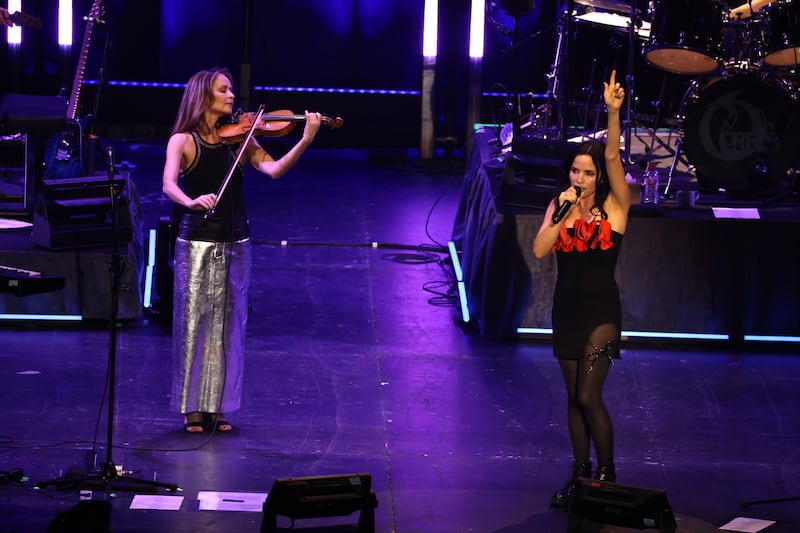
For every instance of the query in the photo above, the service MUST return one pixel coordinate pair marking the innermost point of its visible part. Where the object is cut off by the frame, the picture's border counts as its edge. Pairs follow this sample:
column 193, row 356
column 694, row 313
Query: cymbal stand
column 676, row 154
column 630, row 123
column 514, row 48
column 589, row 92
column 630, row 88
column 555, row 94
column 561, row 79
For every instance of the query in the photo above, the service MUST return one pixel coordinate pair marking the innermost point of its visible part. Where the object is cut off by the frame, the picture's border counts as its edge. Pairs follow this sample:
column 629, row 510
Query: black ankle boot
column 561, row 498
column 606, row 473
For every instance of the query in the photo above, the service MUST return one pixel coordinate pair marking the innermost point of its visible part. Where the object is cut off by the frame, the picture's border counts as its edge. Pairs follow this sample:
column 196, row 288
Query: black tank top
column 205, row 175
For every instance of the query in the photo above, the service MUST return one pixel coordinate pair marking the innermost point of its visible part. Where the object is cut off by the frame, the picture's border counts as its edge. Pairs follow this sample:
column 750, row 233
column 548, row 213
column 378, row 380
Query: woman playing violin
column 212, row 249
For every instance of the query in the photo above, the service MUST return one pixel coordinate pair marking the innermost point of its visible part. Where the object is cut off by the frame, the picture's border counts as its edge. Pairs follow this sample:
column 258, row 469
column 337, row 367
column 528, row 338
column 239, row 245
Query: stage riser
column 690, row 276
column 87, row 291
column 679, row 270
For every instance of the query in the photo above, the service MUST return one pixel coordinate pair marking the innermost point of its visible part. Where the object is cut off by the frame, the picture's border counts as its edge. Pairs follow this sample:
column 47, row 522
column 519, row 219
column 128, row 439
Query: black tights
column 587, row 416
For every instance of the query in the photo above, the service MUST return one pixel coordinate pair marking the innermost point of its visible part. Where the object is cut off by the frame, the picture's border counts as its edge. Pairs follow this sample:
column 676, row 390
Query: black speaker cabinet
column 321, row 496
column 164, row 274
column 76, row 213
column 619, row 505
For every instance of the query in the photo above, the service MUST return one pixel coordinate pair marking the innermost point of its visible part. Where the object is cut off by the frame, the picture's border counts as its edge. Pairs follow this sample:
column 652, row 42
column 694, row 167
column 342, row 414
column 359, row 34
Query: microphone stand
column 108, row 472
column 108, row 478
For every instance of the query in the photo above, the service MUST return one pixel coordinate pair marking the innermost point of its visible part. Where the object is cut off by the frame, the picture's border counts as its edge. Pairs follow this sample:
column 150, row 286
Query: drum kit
column 739, row 118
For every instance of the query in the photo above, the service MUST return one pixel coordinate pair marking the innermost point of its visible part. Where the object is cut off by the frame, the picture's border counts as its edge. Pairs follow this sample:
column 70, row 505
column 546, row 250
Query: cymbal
column 608, row 5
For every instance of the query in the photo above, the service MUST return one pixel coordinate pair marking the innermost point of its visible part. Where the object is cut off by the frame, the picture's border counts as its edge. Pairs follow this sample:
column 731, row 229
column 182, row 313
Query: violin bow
column 238, row 158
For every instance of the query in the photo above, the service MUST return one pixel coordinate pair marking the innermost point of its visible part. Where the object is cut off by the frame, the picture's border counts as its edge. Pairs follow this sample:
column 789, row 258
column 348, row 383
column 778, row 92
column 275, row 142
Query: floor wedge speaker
column 622, row 505
column 321, row 496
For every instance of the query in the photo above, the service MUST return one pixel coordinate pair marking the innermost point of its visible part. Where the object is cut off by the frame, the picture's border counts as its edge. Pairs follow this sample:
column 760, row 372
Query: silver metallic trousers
column 209, row 324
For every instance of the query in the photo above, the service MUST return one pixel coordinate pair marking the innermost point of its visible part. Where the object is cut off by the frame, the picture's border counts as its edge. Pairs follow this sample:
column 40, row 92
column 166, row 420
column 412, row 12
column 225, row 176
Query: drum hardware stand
column 630, row 123
column 678, row 147
column 516, row 107
column 517, row 113
column 557, row 77
column 694, row 86
column 555, row 93
column 589, row 92
column 630, row 92
column 630, row 88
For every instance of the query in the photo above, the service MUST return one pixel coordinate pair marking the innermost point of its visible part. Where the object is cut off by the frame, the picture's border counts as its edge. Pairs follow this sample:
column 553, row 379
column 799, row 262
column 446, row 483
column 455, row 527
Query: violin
column 273, row 124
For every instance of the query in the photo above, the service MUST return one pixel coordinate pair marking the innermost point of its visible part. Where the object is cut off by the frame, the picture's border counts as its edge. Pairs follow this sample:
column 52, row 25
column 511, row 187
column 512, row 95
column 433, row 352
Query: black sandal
column 189, row 424
column 220, row 424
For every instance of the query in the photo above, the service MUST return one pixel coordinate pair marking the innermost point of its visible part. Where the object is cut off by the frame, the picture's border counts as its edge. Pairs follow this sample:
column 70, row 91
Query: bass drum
column 735, row 131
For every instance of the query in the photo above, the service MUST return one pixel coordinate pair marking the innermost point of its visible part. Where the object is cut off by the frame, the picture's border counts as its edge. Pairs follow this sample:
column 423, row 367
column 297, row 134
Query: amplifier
column 76, row 213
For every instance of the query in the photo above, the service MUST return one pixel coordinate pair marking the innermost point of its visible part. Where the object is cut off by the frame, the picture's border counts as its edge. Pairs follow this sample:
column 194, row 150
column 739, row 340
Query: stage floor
column 357, row 363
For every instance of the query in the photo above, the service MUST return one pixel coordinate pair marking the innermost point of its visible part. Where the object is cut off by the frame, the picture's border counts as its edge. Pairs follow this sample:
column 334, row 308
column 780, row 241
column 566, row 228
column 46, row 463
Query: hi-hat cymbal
column 608, row 5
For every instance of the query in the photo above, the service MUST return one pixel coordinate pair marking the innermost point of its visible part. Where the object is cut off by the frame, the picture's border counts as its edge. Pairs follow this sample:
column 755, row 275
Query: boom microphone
column 564, row 207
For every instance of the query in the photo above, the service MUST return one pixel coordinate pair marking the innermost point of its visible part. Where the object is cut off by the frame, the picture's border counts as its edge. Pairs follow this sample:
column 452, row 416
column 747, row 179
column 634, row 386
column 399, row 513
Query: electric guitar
column 65, row 154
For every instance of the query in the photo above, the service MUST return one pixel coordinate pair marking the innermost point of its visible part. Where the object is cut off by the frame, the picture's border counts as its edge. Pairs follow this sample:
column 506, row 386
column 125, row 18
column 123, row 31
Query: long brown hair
column 197, row 99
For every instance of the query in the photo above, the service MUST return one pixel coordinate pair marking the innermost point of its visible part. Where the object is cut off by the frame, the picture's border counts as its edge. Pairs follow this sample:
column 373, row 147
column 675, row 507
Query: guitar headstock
column 23, row 19
column 97, row 14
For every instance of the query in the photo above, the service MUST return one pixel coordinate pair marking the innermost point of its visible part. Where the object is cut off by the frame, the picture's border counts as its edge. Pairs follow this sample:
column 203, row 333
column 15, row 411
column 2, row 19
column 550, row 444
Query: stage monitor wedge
column 321, row 496
column 617, row 504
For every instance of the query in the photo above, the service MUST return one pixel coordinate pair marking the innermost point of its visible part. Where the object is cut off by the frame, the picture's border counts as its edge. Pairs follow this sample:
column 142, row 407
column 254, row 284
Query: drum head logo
column 733, row 128
column 733, row 132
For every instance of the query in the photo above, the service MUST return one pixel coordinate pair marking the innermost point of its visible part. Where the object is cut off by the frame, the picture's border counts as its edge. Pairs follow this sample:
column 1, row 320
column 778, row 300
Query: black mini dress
column 586, row 293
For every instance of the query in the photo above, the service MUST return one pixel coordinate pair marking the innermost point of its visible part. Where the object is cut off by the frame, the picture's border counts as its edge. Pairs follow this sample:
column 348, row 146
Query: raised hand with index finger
column 613, row 93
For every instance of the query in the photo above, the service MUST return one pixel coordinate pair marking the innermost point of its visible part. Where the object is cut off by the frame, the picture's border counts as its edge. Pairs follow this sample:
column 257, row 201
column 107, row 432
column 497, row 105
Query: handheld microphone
column 564, row 207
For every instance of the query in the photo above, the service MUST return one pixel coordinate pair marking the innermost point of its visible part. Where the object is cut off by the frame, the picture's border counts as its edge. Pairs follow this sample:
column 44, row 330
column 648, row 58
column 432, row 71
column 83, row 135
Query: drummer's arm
column 744, row 9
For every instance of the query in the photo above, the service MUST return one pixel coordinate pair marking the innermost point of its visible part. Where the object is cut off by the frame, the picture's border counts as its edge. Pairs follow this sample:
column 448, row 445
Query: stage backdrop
column 339, row 44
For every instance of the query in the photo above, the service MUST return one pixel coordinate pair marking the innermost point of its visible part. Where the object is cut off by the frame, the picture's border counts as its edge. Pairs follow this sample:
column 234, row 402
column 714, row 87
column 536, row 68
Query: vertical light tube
column 14, row 33
column 430, row 27
column 151, row 264
column 476, row 36
column 65, row 22
column 476, row 32
column 462, row 287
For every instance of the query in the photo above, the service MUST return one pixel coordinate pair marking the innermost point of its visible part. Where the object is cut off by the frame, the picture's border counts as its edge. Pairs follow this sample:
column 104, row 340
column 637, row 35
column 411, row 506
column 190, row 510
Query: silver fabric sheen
column 209, row 324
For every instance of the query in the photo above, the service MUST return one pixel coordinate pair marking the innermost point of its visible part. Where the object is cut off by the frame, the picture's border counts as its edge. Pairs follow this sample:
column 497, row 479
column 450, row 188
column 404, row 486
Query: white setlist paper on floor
column 747, row 525
column 231, row 501
column 160, row 503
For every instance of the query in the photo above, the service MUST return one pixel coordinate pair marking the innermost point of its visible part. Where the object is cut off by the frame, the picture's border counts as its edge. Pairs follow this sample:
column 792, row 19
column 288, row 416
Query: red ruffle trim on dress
column 584, row 236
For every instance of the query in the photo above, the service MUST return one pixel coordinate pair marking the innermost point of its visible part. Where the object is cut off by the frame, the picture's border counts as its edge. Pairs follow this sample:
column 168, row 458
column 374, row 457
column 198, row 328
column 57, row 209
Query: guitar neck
column 74, row 98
